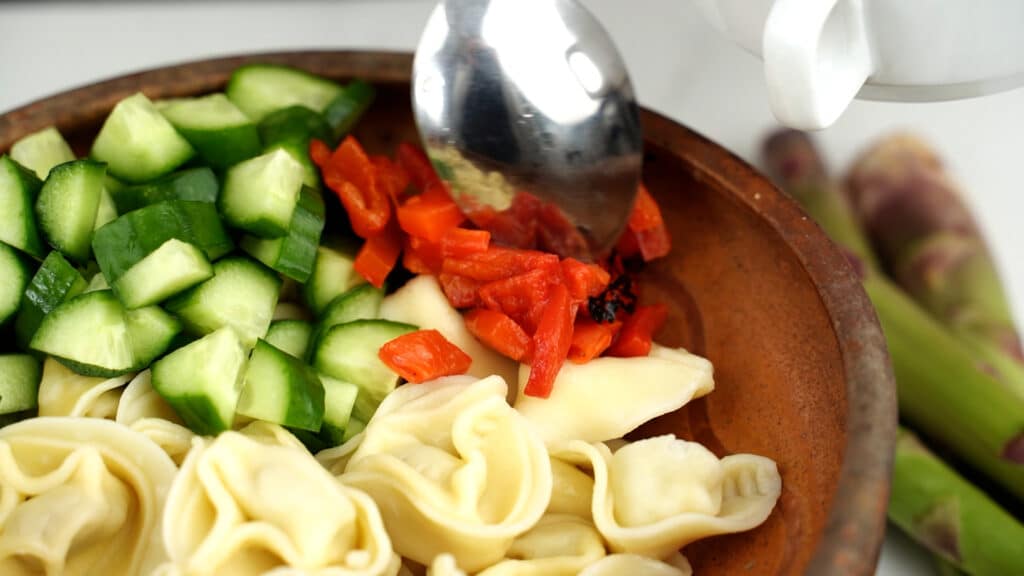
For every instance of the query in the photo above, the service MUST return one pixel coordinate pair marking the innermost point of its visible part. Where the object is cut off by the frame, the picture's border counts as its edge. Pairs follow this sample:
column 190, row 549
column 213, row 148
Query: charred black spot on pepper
column 619, row 295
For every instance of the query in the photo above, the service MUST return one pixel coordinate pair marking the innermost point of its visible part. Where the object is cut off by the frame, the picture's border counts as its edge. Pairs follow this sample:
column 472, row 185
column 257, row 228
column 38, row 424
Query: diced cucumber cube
column 67, row 206
column 55, row 282
column 138, row 143
column 259, row 89
column 279, row 388
column 242, row 294
column 221, row 133
column 40, row 151
column 260, row 194
column 19, row 382
column 202, row 380
column 172, row 268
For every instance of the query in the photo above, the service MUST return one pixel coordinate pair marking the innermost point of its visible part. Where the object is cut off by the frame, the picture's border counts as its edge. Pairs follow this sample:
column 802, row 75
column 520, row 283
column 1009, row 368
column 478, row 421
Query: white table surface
column 679, row 66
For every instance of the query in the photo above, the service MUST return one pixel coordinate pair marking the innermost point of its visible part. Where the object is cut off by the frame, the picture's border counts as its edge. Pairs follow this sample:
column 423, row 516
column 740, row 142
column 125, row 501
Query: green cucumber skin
column 301, row 389
column 19, row 188
column 225, row 147
column 78, row 347
column 192, row 184
column 55, row 282
column 294, row 254
column 344, row 111
column 19, row 383
column 202, row 380
column 67, row 205
column 339, row 399
column 294, row 124
column 220, row 133
column 130, row 238
column 361, row 302
column 348, row 352
column 292, row 129
column 16, row 275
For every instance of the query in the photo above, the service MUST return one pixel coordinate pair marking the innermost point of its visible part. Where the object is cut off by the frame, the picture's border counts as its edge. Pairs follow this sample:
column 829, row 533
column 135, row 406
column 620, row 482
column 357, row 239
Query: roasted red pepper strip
column 650, row 237
column 499, row 262
column 367, row 221
column 461, row 292
column 416, row 164
column 424, row 355
column 557, row 234
column 638, row 331
column 421, row 256
column 515, row 226
column 584, row 280
column 499, row 332
column 459, row 242
column 551, row 342
column 590, row 339
column 391, row 177
column 430, row 215
column 378, row 256
column 627, row 246
column 319, row 153
column 351, row 175
column 646, row 214
column 654, row 243
column 523, row 296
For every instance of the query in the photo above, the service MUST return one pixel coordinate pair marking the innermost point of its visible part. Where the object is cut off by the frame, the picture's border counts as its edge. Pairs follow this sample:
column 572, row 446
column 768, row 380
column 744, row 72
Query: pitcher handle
column 816, row 58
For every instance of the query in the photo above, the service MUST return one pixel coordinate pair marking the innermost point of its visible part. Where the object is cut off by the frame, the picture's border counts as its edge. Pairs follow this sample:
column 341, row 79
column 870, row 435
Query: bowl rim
column 852, row 539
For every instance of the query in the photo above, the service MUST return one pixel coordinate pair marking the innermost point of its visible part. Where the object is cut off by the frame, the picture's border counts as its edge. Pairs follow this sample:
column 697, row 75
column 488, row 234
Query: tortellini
column 571, row 490
column 559, row 545
column 607, row 397
column 632, row 564
column 63, row 392
column 451, row 477
column 421, row 302
column 256, row 502
column 336, row 459
column 444, row 565
column 454, row 468
column 654, row 496
column 142, row 409
column 80, row 496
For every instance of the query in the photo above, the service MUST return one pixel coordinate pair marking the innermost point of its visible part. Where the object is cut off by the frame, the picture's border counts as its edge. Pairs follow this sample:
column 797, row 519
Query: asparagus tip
column 1014, row 449
column 791, row 157
column 860, row 268
column 939, row 529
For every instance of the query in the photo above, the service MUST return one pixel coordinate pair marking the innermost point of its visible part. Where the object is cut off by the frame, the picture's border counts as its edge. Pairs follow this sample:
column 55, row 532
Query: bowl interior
column 751, row 284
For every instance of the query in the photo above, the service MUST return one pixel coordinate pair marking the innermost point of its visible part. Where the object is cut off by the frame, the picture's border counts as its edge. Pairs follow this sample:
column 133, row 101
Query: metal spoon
column 527, row 105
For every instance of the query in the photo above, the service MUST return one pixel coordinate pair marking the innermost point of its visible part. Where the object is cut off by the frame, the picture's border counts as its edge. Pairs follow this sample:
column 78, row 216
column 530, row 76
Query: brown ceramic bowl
column 800, row 363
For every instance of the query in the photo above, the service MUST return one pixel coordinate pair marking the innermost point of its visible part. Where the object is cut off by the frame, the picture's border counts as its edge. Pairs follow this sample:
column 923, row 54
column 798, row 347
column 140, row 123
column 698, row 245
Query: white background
column 679, row 66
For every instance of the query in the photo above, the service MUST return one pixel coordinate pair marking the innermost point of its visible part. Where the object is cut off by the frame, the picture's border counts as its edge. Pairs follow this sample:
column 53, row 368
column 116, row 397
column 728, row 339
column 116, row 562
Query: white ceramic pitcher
column 819, row 54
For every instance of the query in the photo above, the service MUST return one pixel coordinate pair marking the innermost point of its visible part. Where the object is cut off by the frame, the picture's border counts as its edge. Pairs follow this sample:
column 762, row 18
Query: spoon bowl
column 519, row 101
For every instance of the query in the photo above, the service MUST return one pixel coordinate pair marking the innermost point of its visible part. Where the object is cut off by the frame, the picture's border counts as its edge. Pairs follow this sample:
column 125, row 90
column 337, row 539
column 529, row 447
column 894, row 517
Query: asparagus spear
column 951, row 517
column 943, row 394
column 794, row 163
column 929, row 240
column 941, row 388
